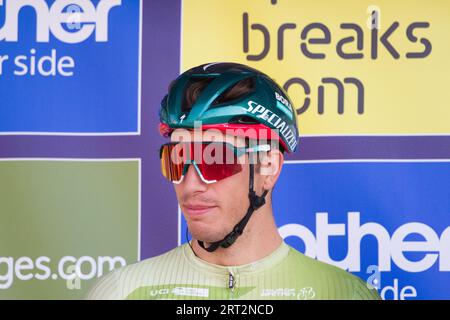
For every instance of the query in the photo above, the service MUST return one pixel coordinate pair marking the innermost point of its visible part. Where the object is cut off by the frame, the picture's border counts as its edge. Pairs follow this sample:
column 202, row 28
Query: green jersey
column 180, row 274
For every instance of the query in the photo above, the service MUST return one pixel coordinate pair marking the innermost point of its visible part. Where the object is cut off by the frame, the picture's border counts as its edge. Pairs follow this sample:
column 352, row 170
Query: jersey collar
column 261, row 265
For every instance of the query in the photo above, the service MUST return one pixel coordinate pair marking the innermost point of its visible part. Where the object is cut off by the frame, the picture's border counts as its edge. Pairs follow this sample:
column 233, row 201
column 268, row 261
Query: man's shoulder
column 310, row 264
column 119, row 283
column 337, row 283
column 157, row 262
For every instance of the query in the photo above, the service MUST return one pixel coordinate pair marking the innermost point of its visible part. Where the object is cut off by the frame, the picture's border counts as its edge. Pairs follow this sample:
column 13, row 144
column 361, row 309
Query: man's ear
column 270, row 168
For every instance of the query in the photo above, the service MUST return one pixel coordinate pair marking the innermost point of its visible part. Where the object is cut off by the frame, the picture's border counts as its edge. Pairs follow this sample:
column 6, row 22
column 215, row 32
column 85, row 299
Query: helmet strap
column 255, row 203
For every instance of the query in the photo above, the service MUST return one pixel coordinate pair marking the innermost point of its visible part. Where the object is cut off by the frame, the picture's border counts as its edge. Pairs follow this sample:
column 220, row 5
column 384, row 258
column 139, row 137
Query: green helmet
column 264, row 107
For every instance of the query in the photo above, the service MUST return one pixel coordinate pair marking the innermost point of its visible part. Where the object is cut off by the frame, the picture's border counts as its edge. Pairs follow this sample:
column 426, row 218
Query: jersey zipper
column 231, row 284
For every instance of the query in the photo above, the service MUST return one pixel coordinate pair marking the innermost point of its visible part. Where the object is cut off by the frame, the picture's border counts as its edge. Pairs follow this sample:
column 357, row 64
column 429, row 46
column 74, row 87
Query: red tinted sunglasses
column 213, row 161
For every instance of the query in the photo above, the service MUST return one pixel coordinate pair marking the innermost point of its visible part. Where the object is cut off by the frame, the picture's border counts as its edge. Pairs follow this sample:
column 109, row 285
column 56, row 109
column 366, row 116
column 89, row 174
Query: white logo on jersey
column 300, row 294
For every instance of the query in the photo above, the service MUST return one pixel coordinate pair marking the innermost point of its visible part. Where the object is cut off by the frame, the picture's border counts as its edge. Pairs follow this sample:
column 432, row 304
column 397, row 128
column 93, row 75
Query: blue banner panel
column 69, row 67
column 385, row 221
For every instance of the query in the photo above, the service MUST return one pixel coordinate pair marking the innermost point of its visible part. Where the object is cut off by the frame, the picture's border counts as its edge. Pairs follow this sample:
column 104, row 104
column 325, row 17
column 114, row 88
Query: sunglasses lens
column 217, row 172
column 218, row 162
column 215, row 161
column 172, row 161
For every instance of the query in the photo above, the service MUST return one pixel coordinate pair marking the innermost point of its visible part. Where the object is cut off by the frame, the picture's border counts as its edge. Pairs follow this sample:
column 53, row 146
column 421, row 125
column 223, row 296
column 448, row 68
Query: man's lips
column 196, row 209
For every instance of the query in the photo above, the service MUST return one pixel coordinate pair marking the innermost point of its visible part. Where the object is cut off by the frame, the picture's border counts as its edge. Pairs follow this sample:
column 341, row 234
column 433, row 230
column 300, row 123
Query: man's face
column 212, row 210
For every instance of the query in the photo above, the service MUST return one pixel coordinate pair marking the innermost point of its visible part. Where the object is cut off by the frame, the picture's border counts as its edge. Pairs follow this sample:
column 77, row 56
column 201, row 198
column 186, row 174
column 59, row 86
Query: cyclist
column 229, row 126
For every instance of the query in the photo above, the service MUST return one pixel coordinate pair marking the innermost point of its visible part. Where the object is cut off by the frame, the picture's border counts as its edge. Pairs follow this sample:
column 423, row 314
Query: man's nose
column 193, row 181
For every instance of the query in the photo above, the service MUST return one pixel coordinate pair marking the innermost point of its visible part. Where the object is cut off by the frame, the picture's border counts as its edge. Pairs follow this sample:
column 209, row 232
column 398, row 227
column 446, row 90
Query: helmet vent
column 236, row 92
column 194, row 88
column 243, row 120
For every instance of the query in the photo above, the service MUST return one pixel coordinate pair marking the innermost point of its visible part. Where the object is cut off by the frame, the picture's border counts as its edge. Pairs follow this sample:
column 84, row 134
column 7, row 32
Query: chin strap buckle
column 231, row 237
column 257, row 202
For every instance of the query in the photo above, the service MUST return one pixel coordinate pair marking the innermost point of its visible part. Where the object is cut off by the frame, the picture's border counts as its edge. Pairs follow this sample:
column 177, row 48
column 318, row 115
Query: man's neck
column 259, row 239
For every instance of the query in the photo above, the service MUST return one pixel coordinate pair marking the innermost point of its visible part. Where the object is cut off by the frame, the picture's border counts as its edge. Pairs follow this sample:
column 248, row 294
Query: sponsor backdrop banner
column 80, row 87
column 61, row 217
column 63, row 70
column 351, row 67
column 383, row 220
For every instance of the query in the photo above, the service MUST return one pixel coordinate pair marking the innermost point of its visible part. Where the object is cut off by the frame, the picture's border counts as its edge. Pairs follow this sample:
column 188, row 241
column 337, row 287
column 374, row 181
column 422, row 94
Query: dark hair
column 195, row 88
